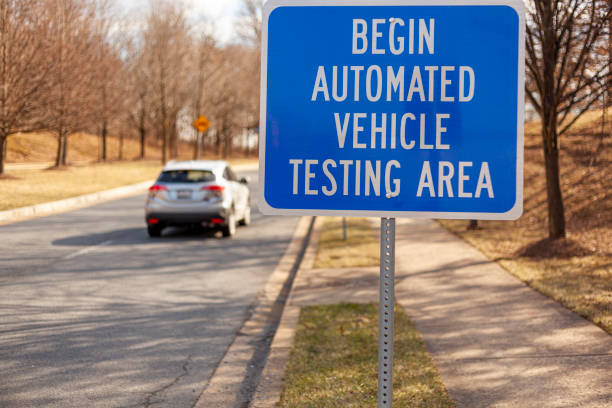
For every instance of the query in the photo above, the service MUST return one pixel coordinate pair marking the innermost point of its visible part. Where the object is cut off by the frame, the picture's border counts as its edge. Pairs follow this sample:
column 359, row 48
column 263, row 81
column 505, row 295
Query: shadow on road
column 131, row 236
column 134, row 236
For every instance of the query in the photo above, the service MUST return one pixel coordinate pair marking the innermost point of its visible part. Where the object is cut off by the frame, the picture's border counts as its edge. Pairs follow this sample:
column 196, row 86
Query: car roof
column 212, row 165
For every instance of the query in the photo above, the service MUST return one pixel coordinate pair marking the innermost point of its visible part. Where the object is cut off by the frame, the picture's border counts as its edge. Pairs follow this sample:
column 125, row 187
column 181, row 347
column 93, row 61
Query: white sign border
column 512, row 214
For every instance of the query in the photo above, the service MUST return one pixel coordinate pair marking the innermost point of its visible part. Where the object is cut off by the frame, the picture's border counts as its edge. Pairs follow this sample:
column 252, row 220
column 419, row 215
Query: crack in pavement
column 148, row 400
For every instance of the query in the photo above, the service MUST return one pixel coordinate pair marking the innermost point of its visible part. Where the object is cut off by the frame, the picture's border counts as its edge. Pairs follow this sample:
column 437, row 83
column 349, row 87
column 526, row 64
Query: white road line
column 86, row 250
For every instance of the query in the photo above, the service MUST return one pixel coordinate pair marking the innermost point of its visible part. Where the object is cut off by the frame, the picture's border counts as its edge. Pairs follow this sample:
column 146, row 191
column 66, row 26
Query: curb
column 54, row 207
column 73, row 203
column 225, row 388
column 270, row 387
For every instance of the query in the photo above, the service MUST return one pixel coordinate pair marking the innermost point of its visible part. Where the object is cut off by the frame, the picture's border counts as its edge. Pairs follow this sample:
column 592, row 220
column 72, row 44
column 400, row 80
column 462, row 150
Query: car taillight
column 213, row 192
column 155, row 189
column 213, row 188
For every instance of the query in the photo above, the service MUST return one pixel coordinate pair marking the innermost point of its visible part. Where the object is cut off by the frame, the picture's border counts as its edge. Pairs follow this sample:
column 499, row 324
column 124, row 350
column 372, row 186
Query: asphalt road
column 94, row 313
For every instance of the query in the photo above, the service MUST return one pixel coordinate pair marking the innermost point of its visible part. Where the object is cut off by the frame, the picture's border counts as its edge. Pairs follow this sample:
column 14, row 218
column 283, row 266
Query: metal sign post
column 386, row 312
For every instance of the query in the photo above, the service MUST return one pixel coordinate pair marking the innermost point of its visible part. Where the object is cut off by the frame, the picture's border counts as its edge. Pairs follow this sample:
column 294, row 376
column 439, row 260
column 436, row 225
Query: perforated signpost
column 392, row 108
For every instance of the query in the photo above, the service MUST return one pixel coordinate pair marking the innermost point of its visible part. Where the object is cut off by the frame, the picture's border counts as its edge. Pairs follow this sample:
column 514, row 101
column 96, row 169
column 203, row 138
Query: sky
column 222, row 12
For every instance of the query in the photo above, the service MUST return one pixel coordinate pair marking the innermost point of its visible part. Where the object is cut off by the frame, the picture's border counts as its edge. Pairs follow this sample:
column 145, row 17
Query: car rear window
column 186, row 176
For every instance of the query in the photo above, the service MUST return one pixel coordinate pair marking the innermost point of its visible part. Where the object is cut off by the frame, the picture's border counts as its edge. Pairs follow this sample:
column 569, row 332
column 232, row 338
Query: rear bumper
column 176, row 219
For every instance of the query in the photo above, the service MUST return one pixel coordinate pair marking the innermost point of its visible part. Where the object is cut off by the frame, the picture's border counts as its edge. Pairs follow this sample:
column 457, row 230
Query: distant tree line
column 71, row 66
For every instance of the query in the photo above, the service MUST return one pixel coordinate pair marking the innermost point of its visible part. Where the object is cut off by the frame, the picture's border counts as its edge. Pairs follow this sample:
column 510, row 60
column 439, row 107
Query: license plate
column 183, row 194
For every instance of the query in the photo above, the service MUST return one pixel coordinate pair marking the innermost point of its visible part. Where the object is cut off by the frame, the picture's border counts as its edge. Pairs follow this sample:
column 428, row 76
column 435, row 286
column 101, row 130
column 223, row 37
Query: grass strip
column 334, row 361
column 30, row 187
column 361, row 247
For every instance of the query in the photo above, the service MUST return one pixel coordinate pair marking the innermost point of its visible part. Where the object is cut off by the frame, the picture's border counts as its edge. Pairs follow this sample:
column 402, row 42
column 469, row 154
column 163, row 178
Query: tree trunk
column 99, row 139
column 164, row 141
column 143, row 134
column 121, row 146
column 173, row 133
column 104, row 140
column 2, row 152
column 556, row 213
column 550, row 138
column 65, row 149
column 58, row 156
column 218, row 143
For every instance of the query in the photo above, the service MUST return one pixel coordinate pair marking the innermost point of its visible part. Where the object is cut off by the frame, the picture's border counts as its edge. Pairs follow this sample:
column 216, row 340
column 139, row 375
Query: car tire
column 229, row 229
column 246, row 220
column 154, row 231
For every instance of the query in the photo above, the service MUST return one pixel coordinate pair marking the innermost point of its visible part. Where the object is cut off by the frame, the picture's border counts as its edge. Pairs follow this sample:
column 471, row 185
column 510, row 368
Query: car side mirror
column 244, row 180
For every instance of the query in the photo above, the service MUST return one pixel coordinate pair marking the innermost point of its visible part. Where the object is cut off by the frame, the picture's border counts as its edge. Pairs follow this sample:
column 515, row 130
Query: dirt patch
column 553, row 248
column 58, row 168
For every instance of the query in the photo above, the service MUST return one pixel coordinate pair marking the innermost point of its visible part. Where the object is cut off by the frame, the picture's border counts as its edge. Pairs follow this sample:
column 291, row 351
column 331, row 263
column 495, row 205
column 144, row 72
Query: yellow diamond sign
column 201, row 124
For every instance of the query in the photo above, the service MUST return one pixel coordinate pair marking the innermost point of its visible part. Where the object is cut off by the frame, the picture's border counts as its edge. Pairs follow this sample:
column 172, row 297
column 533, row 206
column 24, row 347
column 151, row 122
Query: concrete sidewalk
column 495, row 342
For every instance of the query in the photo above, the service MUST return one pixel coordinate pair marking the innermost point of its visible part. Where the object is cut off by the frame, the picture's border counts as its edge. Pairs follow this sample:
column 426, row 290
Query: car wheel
column 154, row 231
column 246, row 220
column 229, row 229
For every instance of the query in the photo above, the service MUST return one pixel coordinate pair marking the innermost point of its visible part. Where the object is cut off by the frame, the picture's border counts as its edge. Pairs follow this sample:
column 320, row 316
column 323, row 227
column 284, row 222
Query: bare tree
column 225, row 97
column 564, row 78
column 167, row 40
column 63, row 69
column 107, row 72
column 248, row 25
column 138, row 87
column 70, row 80
column 205, row 68
column 24, row 67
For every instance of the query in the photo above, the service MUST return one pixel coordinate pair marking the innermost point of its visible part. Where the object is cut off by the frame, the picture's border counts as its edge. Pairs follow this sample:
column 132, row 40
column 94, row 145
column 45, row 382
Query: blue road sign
column 394, row 108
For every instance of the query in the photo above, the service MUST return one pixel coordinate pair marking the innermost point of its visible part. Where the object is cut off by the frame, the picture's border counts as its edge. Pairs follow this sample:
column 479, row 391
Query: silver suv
column 205, row 193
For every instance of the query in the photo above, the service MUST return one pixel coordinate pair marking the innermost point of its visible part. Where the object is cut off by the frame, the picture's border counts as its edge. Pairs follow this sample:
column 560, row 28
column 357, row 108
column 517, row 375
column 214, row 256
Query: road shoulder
column 69, row 204
column 236, row 376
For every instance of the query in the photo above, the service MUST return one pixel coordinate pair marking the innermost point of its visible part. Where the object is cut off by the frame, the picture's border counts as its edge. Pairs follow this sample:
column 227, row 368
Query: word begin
column 364, row 40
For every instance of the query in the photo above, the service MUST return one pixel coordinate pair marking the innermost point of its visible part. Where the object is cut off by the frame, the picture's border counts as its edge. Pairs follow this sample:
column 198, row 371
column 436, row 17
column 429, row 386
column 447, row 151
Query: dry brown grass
column 360, row 249
column 29, row 187
column 576, row 271
column 20, row 186
column 84, row 148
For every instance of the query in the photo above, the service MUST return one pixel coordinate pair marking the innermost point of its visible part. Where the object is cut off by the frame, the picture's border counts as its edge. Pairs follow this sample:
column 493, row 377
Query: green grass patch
column 334, row 361
column 361, row 247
